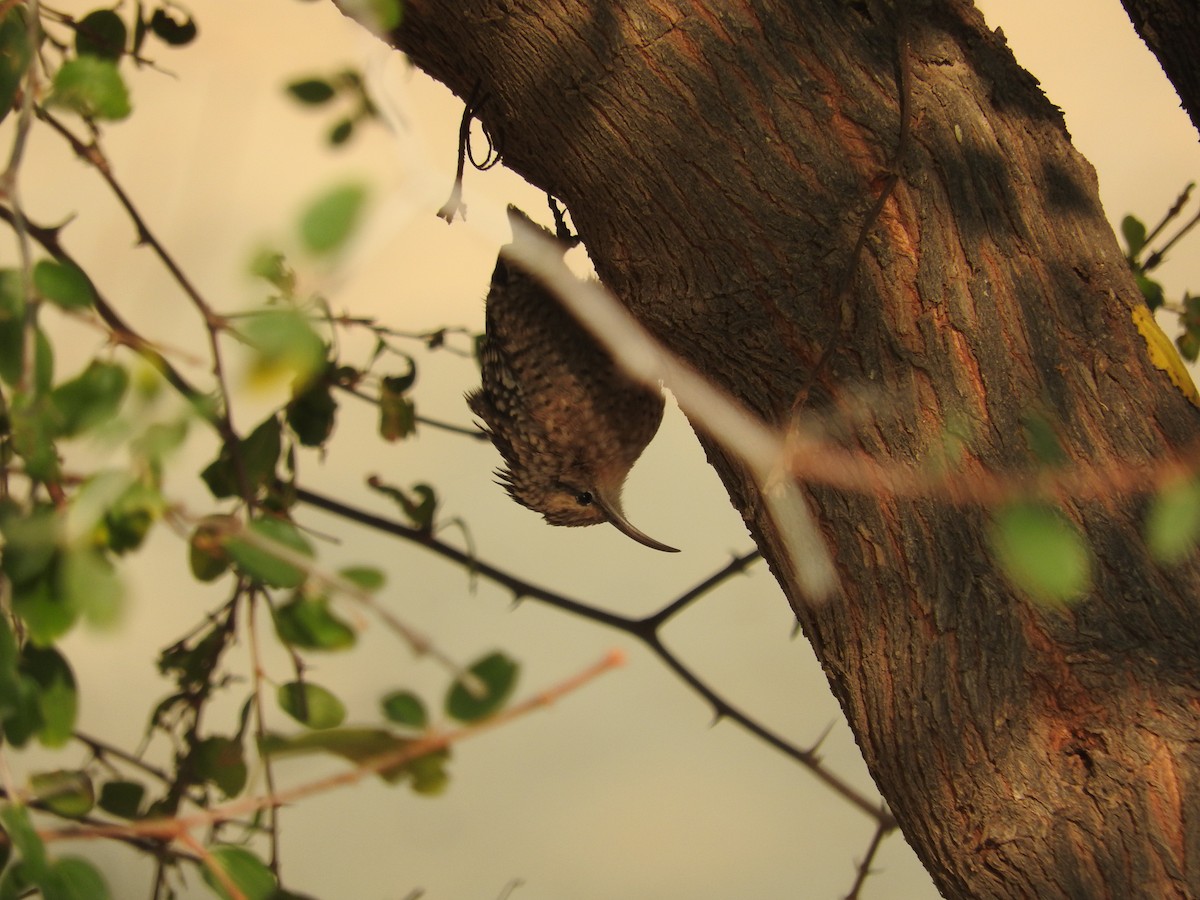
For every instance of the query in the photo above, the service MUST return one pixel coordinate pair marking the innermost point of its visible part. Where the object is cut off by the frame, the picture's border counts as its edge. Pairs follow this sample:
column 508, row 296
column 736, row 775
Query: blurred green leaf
column 310, row 704
column 9, row 675
column 72, row 878
column 285, row 346
column 101, row 33
column 311, row 414
column 128, row 520
column 23, row 719
column 368, row 579
column 1134, row 233
column 172, row 31
column 65, row 792
column 259, row 453
column 1152, row 291
column 45, row 613
column 91, row 87
column 122, row 798
column 378, row 16
column 30, row 542
column 206, row 552
column 25, row 840
column 58, row 698
column 63, row 285
column 88, row 584
column 341, row 132
column 247, row 872
column 90, row 398
column 428, row 773
column 1043, row 441
column 405, row 708
column 34, row 422
column 271, row 266
column 356, row 745
column 1173, row 522
column 420, row 511
column 1041, row 552
column 259, row 562
column 220, row 761
column 330, row 220
column 307, row 623
column 397, row 416
column 311, row 91
column 498, row 674
column 15, row 55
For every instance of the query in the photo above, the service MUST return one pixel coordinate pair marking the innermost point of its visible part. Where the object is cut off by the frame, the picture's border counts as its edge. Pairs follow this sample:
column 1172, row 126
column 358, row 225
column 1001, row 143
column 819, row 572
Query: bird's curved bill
column 612, row 509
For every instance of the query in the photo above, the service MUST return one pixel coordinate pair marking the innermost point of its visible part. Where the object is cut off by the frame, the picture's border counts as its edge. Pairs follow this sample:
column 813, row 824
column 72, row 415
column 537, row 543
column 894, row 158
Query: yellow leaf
column 1163, row 353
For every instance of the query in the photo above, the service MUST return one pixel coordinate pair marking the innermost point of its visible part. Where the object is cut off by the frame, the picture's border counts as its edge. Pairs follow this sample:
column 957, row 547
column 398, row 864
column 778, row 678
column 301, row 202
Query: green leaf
column 397, row 413
column 1173, row 522
column 14, row 56
column 259, row 456
column 91, row 87
column 128, row 520
column 285, row 346
column 9, row 677
column 310, row 704
column 308, row 624
column 23, row 718
column 1041, row 552
column 30, row 543
column 1043, row 441
column 272, row 267
column 378, row 16
column 498, row 674
column 330, row 220
column 341, row 132
column 65, row 792
column 220, row 761
column 58, row 699
column 45, row 614
column 206, row 552
column 172, row 31
column 25, row 840
column 262, row 564
column 122, row 798
column 72, row 878
column 101, row 33
column 428, row 773
column 405, row 708
column 311, row 414
column 63, row 285
column 1152, row 291
column 34, row 422
column 247, row 872
column 1134, row 233
column 312, row 91
column 91, row 398
column 88, row 584
column 420, row 511
column 364, row 577
column 356, row 745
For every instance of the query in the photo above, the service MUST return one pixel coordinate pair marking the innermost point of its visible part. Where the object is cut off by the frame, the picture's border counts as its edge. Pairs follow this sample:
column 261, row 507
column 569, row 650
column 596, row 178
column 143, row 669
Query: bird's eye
column 584, row 498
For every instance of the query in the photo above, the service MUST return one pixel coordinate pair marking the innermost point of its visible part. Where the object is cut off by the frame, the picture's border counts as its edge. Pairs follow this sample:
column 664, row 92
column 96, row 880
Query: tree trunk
column 723, row 163
column 1171, row 29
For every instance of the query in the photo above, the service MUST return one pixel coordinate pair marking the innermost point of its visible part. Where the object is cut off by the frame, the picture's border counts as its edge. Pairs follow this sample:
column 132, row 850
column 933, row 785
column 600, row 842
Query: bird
column 567, row 420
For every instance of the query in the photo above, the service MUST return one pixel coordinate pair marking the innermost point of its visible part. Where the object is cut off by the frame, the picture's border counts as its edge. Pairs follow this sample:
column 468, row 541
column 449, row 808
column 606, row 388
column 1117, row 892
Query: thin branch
column 882, row 830
column 645, row 630
column 177, row 827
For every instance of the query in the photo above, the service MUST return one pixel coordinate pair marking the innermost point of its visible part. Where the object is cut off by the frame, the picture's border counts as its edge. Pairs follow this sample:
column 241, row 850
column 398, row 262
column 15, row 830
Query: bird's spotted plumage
column 567, row 421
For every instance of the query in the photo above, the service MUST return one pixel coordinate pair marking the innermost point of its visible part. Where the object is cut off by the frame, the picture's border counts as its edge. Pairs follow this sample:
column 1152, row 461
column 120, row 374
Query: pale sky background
column 623, row 790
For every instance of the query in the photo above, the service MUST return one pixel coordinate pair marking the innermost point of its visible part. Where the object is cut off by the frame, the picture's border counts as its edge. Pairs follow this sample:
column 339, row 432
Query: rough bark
column 1171, row 29
column 720, row 162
